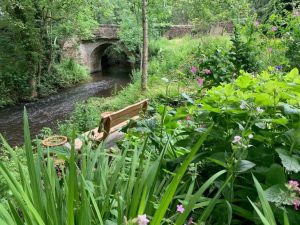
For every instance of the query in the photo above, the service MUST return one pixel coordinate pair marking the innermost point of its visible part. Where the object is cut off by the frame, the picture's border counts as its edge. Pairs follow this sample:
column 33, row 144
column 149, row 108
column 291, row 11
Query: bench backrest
column 112, row 119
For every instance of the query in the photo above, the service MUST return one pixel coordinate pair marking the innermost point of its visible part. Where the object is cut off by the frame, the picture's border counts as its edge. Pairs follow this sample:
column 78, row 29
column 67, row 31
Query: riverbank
column 47, row 111
column 65, row 74
column 170, row 59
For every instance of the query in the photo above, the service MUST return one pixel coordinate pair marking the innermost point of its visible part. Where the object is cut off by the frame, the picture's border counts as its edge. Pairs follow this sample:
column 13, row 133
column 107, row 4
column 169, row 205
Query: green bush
column 64, row 74
column 97, row 187
column 69, row 72
column 256, row 130
column 9, row 93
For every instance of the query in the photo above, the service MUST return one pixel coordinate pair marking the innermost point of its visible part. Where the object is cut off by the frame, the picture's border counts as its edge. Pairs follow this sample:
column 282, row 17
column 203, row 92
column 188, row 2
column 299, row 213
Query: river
column 48, row 111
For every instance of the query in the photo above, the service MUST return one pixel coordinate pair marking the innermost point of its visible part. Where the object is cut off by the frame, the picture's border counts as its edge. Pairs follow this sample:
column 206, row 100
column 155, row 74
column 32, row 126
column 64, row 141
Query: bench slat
column 137, row 105
column 113, row 121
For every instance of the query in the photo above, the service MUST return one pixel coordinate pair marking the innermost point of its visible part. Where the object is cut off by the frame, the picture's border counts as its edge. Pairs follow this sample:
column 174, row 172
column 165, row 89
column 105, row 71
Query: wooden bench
column 113, row 121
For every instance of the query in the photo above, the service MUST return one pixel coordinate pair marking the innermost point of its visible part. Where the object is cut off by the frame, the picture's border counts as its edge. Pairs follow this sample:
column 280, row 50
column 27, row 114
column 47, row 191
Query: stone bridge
column 90, row 52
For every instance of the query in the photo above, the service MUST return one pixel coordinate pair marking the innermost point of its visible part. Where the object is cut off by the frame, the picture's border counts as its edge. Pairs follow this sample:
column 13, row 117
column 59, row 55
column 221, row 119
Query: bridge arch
column 93, row 53
column 90, row 51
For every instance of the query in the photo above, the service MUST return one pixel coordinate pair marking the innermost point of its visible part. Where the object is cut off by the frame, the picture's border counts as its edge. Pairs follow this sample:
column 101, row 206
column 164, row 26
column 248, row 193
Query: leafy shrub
column 243, row 54
column 259, row 111
column 64, row 74
column 216, row 67
column 256, row 129
column 223, row 62
column 9, row 94
column 102, row 188
column 12, row 167
column 293, row 39
column 69, row 72
column 283, row 26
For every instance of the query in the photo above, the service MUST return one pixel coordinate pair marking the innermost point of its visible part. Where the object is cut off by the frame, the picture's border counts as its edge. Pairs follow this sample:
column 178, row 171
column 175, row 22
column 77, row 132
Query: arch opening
column 113, row 56
column 107, row 55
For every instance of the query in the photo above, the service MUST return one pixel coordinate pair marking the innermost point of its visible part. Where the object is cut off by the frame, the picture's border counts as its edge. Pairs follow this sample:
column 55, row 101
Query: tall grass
column 96, row 187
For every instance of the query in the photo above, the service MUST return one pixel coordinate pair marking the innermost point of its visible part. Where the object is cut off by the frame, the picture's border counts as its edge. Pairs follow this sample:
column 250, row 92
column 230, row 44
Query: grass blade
column 193, row 199
column 268, row 213
column 210, row 207
column 261, row 216
column 167, row 198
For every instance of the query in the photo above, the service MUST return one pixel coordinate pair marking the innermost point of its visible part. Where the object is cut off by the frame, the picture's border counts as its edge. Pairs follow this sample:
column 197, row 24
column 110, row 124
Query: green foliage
column 164, row 63
column 13, row 168
column 267, row 217
column 65, row 74
column 207, row 13
column 253, row 118
column 222, row 62
column 242, row 53
column 94, row 187
column 282, row 22
column 69, row 72
column 32, row 36
column 293, row 38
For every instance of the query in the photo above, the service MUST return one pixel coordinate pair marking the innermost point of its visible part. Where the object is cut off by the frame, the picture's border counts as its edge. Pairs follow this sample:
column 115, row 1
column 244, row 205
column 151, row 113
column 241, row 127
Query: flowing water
column 47, row 111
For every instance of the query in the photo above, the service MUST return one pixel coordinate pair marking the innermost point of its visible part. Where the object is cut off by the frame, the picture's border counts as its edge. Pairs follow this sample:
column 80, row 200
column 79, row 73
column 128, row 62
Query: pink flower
column 188, row 118
column 191, row 221
column 256, row 23
column 200, row 81
column 270, row 50
column 296, row 13
column 193, row 70
column 180, row 208
column 296, row 204
column 293, row 183
column 274, row 29
column 207, row 71
column 142, row 220
column 237, row 139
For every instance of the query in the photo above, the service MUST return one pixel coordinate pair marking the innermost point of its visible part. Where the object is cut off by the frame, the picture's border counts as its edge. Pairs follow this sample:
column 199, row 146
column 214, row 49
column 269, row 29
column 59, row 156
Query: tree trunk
column 145, row 46
column 34, row 93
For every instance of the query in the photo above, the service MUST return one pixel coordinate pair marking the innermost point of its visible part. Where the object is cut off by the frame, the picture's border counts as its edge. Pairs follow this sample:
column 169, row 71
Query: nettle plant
column 222, row 62
column 256, row 130
column 257, row 124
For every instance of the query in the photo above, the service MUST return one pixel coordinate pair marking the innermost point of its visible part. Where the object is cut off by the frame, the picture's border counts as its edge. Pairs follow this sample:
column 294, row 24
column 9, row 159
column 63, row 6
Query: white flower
column 243, row 105
column 142, row 220
column 259, row 110
column 250, row 136
column 237, row 139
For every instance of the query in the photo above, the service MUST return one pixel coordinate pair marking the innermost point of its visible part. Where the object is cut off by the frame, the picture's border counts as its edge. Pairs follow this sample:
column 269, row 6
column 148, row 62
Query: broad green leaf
column 243, row 166
column 243, row 81
column 188, row 98
column 263, row 99
column 275, row 175
column 290, row 162
column 278, row 194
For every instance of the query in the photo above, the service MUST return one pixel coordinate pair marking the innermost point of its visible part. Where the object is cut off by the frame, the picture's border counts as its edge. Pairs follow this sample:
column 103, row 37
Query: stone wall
column 107, row 31
column 177, row 31
column 90, row 52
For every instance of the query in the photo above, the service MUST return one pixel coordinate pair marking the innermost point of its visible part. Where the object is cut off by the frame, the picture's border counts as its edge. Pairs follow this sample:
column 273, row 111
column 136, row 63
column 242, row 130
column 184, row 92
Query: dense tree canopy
column 31, row 34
